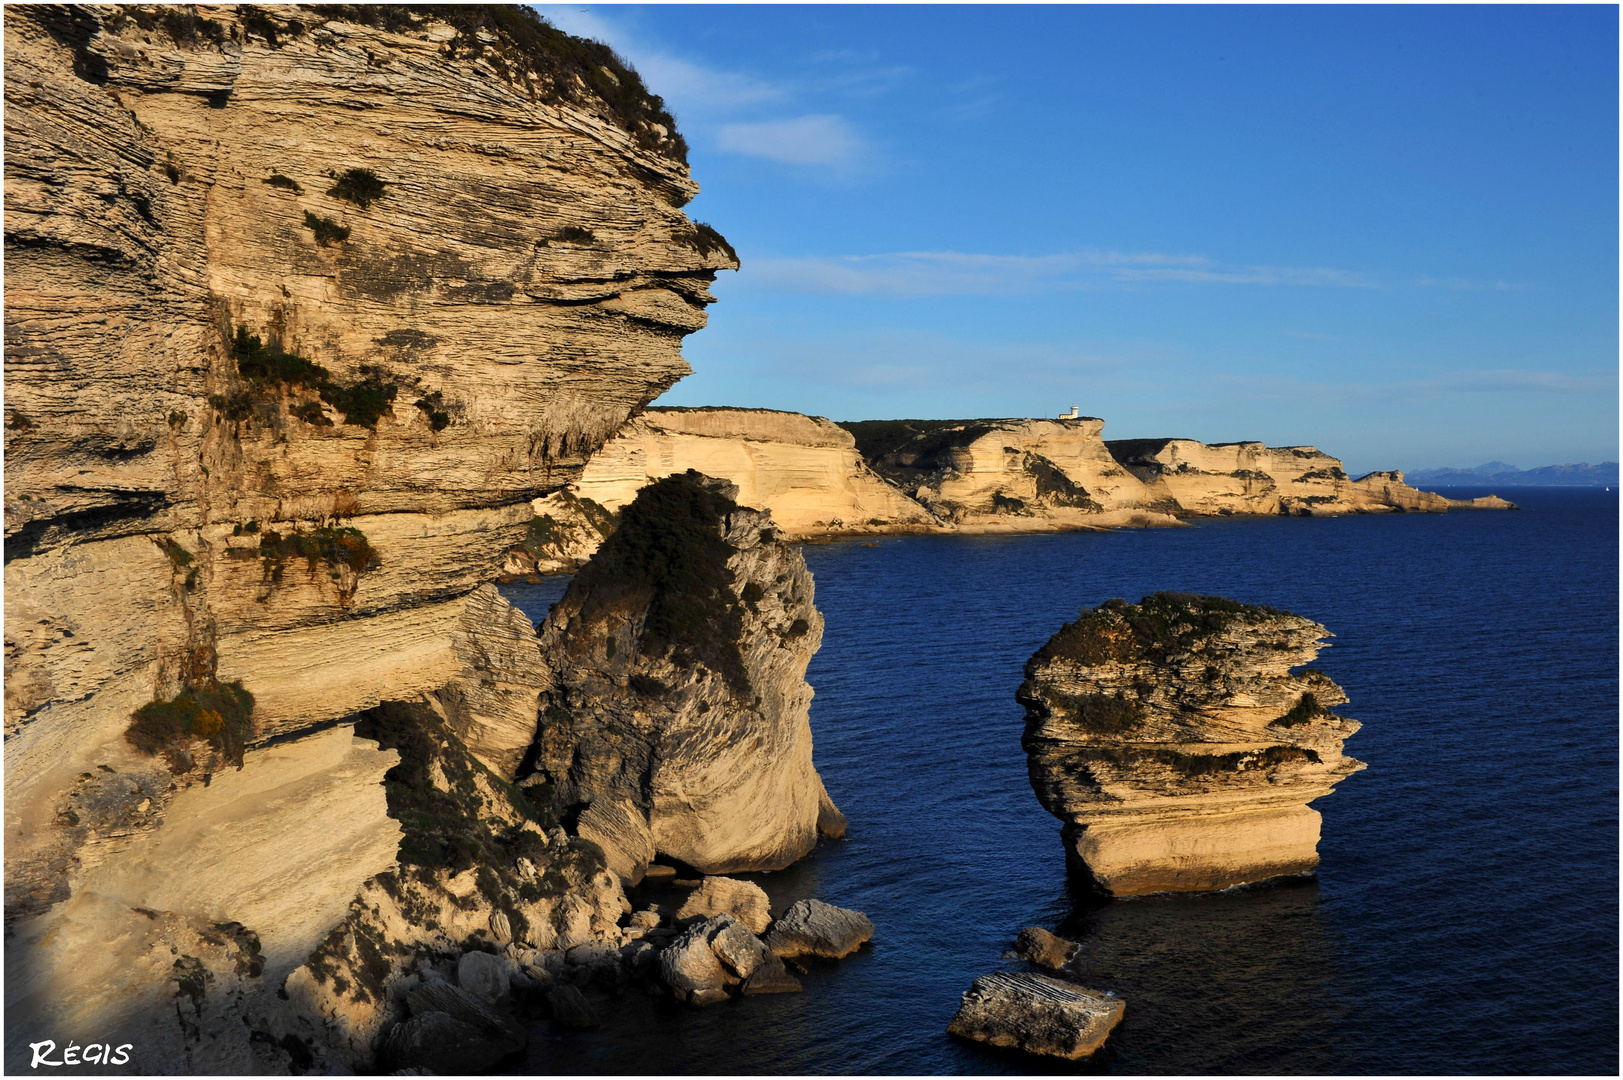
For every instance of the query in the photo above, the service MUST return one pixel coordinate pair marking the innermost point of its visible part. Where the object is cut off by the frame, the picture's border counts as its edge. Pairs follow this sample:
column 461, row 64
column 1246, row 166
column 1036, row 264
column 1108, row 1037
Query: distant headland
column 819, row 478
column 1499, row 474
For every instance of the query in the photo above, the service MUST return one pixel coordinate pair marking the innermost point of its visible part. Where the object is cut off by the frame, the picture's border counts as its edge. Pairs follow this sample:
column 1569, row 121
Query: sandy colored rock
column 1482, row 502
column 690, row 968
column 1179, row 747
column 141, row 192
column 678, row 684
column 813, row 928
column 500, row 1030
column 440, row 1044
column 803, row 470
column 1043, row 948
column 739, row 951
column 993, row 475
column 1036, row 1014
column 621, row 830
column 491, row 699
column 743, row 900
column 519, row 289
column 1250, row 478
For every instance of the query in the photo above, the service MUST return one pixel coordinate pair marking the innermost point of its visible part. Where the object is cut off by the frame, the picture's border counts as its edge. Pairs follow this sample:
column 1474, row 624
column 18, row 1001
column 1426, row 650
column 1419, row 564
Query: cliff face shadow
column 1240, row 981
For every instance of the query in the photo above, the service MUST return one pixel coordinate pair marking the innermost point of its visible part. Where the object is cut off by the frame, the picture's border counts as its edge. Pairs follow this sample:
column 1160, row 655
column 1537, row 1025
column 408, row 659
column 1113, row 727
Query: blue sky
column 1390, row 232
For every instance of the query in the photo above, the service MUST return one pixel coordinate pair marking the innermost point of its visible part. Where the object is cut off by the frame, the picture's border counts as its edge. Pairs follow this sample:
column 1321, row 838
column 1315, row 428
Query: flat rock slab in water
column 813, row 928
column 1036, row 1014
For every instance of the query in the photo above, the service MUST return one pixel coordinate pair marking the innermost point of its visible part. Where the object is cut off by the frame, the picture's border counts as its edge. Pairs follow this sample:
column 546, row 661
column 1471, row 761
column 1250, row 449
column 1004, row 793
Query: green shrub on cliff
column 326, row 229
column 1133, row 758
column 359, row 186
column 1304, row 711
column 1101, row 714
column 220, row 714
column 332, row 545
column 668, row 553
column 525, row 49
column 1155, row 627
column 266, row 368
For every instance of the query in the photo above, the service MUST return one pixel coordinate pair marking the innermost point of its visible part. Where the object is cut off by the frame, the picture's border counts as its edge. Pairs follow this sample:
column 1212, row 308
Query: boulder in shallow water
column 690, row 968
column 441, row 1044
column 1036, row 1014
column 740, row 951
column 1042, row 948
column 771, row 978
column 485, row 976
column 743, row 900
column 500, row 1031
column 813, row 928
column 569, row 1007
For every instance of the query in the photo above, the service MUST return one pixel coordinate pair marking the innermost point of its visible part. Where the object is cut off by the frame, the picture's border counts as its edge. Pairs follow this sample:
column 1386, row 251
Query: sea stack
column 1176, row 743
column 677, row 721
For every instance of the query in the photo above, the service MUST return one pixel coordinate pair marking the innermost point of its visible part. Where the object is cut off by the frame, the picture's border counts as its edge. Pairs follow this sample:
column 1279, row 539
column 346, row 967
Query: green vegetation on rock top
column 1155, row 627
column 668, row 552
column 220, row 714
column 918, row 441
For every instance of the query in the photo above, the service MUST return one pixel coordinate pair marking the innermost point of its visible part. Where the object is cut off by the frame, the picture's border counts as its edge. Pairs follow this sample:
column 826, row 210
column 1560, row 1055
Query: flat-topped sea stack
column 1176, row 743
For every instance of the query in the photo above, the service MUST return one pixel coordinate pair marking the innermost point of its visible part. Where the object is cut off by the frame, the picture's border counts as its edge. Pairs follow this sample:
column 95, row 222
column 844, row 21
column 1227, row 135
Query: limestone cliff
column 677, row 721
column 1176, row 743
column 1010, row 473
column 1250, row 478
column 805, row 468
column 906, row 476
column 304, row 307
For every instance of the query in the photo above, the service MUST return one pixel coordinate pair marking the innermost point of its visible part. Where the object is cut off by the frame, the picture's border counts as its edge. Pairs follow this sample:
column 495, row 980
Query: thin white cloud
column 1253, row 275
column 824, row 140
column 739, row 113
column 956, row 273
column 687, row 86
column 1462, row 381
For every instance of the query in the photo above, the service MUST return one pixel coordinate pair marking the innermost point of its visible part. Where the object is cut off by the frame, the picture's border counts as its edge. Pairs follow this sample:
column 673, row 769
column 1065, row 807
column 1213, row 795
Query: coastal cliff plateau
column 1176, row 743
column 1250, row 478
column 677, row 721
column 990, row 474
column 805, row 468
column 304, row 307
column 865, row 477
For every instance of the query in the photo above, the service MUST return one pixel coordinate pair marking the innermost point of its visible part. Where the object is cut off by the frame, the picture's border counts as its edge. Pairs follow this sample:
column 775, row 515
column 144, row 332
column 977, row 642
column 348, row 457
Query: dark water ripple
column 1464, row 918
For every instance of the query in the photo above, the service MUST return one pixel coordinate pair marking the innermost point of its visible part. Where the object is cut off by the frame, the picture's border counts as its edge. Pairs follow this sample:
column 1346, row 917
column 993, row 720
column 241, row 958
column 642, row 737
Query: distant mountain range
column 1498, row 474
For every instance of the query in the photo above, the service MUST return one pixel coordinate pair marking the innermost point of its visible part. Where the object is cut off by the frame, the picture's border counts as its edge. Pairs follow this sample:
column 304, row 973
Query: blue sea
column 1464, row 916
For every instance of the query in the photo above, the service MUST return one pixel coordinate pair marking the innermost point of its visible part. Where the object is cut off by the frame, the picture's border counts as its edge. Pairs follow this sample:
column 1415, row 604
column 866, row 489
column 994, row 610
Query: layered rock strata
column 889, row 476
column 1036, row 1014
column 986, row 473
column 1250, row 478
column 304, row 307
column 677, row 721
column 515, row 283
column 1178, row 745
column 805, row 470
